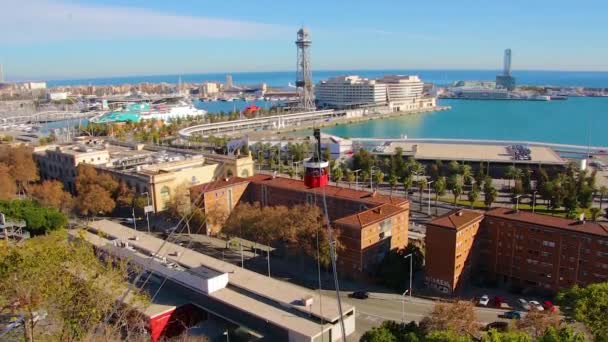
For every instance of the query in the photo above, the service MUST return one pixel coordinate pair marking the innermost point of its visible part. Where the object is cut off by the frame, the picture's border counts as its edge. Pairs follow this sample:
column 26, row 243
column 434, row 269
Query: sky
column 60, row 39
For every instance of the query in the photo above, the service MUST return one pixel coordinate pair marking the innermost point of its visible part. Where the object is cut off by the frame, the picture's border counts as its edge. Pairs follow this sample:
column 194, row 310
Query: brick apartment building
column 370, row 224
column 528, row 251
column 450, row 243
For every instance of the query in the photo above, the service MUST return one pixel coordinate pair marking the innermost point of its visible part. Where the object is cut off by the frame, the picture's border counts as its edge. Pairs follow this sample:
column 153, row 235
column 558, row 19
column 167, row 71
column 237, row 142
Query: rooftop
column 330, row 190
column 587, row 227
column 282, row 298
column 370, row 216
column 218, row 184
column 457, row 219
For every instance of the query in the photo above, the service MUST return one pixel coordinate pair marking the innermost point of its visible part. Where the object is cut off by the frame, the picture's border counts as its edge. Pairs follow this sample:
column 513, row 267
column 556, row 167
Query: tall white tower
column 506, row 69
column 304, row 72
column 1, row 74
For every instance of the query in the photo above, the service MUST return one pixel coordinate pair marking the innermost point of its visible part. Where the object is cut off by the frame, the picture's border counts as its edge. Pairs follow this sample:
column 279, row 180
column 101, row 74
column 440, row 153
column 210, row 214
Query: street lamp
column 517, row 202
column 428, row 185
column 534, row 200
column 147, row 209
column 356, row 172
column 227, row 336
column 371, row 177
column 409, row 291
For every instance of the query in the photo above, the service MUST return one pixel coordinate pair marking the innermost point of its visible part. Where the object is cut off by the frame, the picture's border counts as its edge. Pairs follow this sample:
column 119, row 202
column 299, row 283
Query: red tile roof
column 370, row 216
column 457, row 219
column 593, row 228
column 330, row 190
column 217, row 184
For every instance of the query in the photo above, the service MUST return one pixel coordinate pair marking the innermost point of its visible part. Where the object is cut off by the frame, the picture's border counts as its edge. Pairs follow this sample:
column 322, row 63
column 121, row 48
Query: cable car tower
column 316, row 170
column 304, row 72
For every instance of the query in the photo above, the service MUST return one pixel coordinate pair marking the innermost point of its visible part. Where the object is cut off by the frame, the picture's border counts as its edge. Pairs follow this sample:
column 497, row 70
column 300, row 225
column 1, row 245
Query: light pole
column 147, row 209
column 428, row 185
column 134, row 219
column 356, row 172
column 534, row 200
column 371, row 177
column 409, row 291
column 227, row 336
column 517, row 202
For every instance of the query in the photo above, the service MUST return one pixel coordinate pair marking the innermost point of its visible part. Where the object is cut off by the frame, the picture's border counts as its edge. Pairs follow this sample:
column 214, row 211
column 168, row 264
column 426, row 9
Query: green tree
column 490, row 195
column 453, row 168
column 563, row 334
column 467, row 174
column 337, row 174
column 378, row 334
column 378, row 178
column 509, row 336
column 350, row 177
column 446, row 336
column 38, row 220
column 392, row 181
column 422, row 185
column 588, row 305
column 603, row 193
column 408, row 182
column 456, row 192
column 595, row 213
column 394, row 269
column 473, row 195
column 439, row 187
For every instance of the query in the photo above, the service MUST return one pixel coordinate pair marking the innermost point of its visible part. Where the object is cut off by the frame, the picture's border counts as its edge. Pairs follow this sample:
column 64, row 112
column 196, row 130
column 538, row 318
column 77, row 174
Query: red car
column 497, row 301
column 547, row 305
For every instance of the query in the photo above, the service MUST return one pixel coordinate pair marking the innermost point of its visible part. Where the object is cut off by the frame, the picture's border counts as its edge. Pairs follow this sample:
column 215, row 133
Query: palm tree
column 350, row 177
column 338, row 174
column 467, row 173
column 422, row 185
column 378, row 178
column 439, row 187
column 595, row 212
column 456, row 191
column 603, row 192
column 510, row 174
column 490, row 194
column 473, row 195
column 392, row 181
column 407, row 184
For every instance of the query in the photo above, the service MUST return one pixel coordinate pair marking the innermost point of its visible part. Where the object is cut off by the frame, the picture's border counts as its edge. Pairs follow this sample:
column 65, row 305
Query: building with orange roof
column 519, row 249
column 369, row 224
column 450, row 254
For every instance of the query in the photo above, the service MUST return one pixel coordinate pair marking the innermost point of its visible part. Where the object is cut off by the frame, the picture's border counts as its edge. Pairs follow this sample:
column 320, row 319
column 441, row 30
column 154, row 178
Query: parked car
column 498, row 325
column 497, row 301
column 547, row 305
column 536, row 305
column 359, row 295
column 484, row 300
column 511, row 315
column 523, row 304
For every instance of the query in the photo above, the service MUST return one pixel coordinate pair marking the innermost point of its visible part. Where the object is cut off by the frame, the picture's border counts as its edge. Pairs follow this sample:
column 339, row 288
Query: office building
column 449, row 255
column 349, row 92
column 506, row 80
column 156, row 172
column 517, row 249
column 369, row 224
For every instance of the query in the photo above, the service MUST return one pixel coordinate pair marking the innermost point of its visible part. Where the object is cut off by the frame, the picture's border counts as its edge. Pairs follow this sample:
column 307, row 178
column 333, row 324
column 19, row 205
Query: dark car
column 512, row 315
column 497, row 301
column 359, row 295
column 499, row 326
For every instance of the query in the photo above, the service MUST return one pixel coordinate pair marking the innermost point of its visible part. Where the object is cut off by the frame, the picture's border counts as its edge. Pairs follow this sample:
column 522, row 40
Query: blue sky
column 48, row 39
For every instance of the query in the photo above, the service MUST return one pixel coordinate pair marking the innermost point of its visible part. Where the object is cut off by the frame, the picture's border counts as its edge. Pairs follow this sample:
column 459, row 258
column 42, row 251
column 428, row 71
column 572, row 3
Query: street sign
column 148, row 209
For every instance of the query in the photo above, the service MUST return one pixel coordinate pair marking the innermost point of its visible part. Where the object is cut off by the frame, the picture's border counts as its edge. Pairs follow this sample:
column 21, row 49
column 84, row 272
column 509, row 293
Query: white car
column 524, row 304
column 536, row 305
column 484, row 300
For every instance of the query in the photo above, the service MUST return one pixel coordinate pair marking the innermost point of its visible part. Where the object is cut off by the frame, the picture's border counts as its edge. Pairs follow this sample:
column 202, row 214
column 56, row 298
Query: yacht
column 163, row 110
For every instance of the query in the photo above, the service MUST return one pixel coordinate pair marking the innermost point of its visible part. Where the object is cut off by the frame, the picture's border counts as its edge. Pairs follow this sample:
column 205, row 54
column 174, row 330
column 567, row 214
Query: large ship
column 166, row 110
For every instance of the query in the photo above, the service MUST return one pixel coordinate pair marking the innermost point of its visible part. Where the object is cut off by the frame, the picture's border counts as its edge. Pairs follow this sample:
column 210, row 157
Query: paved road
column 380, row 307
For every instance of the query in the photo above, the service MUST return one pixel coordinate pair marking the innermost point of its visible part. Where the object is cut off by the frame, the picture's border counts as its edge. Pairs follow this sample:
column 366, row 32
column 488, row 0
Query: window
column 385, row 228
column 165, row 192
column 549, row 243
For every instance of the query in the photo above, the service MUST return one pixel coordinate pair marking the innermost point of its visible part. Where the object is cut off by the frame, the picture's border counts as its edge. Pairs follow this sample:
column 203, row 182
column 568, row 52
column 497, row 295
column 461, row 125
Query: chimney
column 459, row 213
column 274, row 174
column 581, row 218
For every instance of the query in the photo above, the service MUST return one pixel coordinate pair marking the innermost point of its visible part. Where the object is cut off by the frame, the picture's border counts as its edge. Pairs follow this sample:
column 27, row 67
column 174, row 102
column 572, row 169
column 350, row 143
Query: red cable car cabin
column 316, row 170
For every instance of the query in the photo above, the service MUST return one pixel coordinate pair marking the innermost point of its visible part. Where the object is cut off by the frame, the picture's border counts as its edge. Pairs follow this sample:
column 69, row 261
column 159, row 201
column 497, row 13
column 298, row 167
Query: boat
column 559, row 97
column 135, row 112
column 539, row 98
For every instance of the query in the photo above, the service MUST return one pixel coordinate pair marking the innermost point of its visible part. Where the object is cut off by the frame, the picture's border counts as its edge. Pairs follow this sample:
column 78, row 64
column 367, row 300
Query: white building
column 403, row 91
column 349, row 92
column 59, row 96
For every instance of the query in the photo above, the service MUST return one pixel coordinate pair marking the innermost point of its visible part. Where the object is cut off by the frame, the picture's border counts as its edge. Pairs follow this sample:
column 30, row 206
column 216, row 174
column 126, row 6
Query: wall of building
column 219, row 203
column 527, row 255
column 440, row 255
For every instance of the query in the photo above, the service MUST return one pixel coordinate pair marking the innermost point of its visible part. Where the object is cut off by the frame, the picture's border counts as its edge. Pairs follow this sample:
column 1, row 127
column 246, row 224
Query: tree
column 513, row 173
column 603, row 193
column 22, row 166
column 407, row 184
column 467, row 174
column 50, row 194
column 563, row 334
column 338, row 174
column 490, row 195
column 394, row 269
column 536, row 322
column 587, row 305
column 378, row 178
column 595, row 212
column 439, row 188
column 65, row 279
column 473, row 195
column 350, row 177
column 456, row 192
column 458, row 317
column 392, row 181
column 422, row 185
column 94, row 200
column 363, row 160
column 378, row 334
column 124, row 195
column 453, row 168
column 38, row 220
column 509, row 336
column 446, row 336
column 8, row 187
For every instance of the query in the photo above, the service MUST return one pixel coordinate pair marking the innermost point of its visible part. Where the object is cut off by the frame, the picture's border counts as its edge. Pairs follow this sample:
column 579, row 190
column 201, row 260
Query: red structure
column 250, row 110
column 316, row 170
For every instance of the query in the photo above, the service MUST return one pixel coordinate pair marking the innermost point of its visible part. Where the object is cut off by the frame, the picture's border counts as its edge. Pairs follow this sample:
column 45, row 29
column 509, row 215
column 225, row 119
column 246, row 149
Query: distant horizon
column 353, row 71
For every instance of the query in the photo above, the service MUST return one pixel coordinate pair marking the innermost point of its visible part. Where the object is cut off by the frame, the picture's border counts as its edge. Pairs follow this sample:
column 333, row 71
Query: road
column 380, row 307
